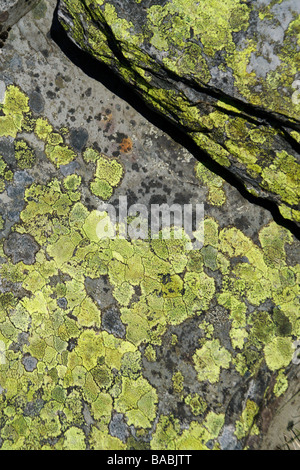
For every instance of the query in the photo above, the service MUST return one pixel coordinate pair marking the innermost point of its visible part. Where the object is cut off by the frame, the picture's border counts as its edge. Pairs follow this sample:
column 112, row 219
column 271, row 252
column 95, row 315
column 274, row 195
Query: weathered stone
column 225, row 72
column 11, row 11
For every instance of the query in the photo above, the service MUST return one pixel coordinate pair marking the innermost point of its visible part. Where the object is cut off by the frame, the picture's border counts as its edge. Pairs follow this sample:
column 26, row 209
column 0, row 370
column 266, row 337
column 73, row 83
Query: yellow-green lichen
column 138, row 400
column 5, row 174
column 216, row 194
column 197, row 405
column 108, row 175
column 59, row 154
column 278, row 353
column 25, row 156
column 283, row 177
column 69, row 359
column 281, row 384
column 102, row 189
column 246, row 424
column 43, row 129
column 210, row 359
column 14, row 108
column 178, row 381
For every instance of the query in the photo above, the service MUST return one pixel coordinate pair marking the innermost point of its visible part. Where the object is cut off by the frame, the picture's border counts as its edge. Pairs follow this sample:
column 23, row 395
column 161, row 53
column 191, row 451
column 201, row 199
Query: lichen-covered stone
column 225, row 72
column 117, row 343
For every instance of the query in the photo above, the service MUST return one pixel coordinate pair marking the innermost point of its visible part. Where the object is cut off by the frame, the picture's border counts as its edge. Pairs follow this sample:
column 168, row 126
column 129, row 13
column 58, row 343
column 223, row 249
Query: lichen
column 14, row 108
column 210, row 359
column 24, row 155
column 108, row 175
column 61, row 356
column 278, row 353
column 246, row 424
column 216, row 194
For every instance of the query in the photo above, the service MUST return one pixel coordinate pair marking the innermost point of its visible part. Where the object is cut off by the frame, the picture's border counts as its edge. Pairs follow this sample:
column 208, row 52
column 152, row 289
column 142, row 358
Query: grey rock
column 118, row 427
column 36, row 102
column 228, row 440
column 21, row 248
column 111, row 322
column 33, row 408
column 78, row 138
column 29, row 363
column 11, row 11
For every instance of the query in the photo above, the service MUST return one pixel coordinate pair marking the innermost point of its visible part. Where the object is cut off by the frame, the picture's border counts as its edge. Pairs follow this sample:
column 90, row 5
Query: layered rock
column 225, row 72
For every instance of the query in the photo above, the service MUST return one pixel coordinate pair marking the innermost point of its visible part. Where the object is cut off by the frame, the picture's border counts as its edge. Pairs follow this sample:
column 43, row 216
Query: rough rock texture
column 10, row 12
column 117, row 343
column 226, row 72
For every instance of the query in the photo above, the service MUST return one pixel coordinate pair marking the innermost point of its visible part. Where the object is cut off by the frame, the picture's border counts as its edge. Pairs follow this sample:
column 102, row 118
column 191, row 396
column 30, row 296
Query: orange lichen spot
column 126, row 145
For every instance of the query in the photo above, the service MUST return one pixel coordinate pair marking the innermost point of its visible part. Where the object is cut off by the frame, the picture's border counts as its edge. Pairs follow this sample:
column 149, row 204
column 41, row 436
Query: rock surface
column 10, row 13
column 225, row 72
column 124, row 344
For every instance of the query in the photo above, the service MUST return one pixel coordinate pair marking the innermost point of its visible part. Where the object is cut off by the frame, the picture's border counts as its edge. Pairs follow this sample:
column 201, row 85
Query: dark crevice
column 255, row 112
column 106, row 29
column 290, row 140
column 102, row 73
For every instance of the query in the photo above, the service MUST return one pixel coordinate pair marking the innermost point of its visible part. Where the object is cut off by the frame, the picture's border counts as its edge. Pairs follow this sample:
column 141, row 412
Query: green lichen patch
column 108, row 174
column 210, row 359
column 14, row 109
column 216, row 194
column 72, row 182
column 24, row 154
column 43, row 129
column 246, row 424
column 102, row 189
column 109, row 170
column 59, row 154
column 138, row 400
column 278, row 353
column 5, row 174
column 68, row 348
column 90, row 155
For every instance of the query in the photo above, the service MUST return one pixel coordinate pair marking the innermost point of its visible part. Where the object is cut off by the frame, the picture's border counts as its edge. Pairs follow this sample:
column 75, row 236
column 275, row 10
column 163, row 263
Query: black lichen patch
column 112, row 324
column 29, row 363
column 78, row 138
column 36, row 102
column 21, row 248
column 118, row 427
